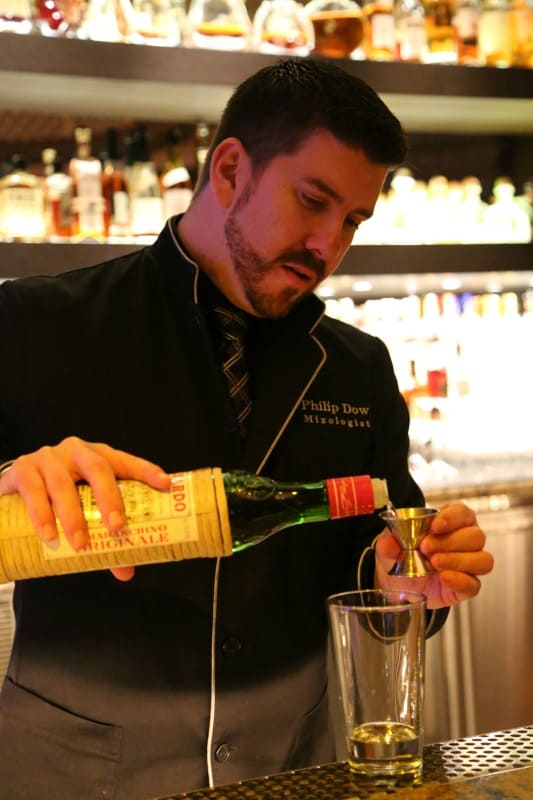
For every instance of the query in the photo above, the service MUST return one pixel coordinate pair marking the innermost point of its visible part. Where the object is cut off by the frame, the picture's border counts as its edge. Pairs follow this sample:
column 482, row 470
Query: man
column 208, row 671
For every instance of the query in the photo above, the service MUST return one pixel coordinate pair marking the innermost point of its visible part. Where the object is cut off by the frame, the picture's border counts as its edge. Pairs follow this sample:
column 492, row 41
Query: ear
column 230, row 168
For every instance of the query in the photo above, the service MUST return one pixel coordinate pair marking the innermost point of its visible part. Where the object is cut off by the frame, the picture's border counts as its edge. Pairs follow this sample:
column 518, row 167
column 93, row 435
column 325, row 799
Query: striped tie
column 233, row 327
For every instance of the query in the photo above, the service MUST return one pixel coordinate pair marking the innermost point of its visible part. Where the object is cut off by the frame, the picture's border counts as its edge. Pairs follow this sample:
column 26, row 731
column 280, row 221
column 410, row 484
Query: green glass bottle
column 205, row 514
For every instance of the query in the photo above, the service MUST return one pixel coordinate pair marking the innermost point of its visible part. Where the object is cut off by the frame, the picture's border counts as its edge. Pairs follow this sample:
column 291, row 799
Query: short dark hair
column 275, row 109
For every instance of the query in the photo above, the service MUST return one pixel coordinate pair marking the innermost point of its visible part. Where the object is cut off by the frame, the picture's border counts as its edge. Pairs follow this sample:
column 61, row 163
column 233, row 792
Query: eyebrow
column 326, row 188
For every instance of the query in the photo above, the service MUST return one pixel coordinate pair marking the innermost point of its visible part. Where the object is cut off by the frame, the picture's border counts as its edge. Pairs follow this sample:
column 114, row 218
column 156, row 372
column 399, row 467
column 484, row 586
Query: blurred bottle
column 337, row 25
column 281, row 26
column 73, row 13
column 441, row 32
column 505, row 220
column 57, row 197
column 410, row 30
column 466, row 21
column 114, row 188
column 521, row 23
column 107, row 21
column 494, row 34
column 21, row 203
column 175, row 181
column 202, row 141
column 146, row 205
column 49, row 19
column 88, row 202
column 379, row 33
column 16, row 16
column 220, row 24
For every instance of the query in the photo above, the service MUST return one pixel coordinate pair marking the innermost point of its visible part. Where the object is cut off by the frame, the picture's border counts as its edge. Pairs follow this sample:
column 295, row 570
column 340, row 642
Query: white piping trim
column 187, row 257
column 295, row 406
column 212, row 702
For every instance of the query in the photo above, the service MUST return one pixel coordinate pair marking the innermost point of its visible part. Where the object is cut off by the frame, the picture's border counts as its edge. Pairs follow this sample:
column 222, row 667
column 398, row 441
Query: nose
column 328, row 241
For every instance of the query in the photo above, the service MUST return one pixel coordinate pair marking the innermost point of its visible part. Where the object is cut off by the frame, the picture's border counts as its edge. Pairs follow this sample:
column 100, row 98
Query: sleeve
column 8, row 379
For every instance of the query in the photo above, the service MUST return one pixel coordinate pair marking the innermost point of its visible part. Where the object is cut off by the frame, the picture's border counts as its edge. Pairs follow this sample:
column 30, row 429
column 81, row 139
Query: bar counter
column 492, row 766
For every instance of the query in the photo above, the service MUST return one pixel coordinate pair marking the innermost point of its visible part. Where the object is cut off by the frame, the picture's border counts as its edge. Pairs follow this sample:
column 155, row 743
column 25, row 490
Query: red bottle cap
column 349, row 497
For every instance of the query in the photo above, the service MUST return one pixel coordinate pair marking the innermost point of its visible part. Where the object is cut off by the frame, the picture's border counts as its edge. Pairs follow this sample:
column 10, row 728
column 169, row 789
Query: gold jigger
column 409, row 526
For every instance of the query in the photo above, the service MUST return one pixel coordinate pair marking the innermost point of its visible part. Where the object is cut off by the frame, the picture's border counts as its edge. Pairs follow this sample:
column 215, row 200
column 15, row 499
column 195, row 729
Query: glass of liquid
column 378, row 655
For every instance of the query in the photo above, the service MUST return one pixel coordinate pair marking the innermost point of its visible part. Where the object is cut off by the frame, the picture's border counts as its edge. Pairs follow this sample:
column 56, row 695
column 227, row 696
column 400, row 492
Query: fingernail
column 79, row 540
column 48, row 532
column 115, row 520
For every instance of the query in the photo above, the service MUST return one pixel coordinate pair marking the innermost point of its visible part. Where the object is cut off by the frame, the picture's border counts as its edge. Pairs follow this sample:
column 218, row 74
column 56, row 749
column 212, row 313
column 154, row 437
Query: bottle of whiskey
column 114, row 189
column 206, row 513
column 21, row 204
column 88, row 202
column 57, row 197
column 146, row 203
column 442, row 36
column 379, row 36
column 176, row 183
column 410, row 29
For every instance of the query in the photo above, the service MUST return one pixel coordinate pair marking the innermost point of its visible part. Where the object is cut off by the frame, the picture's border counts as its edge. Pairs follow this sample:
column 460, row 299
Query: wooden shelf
column 40, row 74
column 19, row 260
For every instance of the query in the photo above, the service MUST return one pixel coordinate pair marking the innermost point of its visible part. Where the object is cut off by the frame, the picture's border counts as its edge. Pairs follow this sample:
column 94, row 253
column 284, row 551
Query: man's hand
column 46, row 480
column 454, row 547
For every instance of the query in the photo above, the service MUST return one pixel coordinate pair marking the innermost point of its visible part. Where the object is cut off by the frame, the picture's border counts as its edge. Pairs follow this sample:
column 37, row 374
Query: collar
column 187, row 277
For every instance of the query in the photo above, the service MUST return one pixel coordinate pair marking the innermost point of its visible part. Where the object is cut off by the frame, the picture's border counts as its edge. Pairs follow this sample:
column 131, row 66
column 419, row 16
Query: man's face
column 290, row 228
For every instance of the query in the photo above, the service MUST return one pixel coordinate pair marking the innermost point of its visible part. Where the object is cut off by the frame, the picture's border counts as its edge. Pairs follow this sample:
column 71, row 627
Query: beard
column 251, row 268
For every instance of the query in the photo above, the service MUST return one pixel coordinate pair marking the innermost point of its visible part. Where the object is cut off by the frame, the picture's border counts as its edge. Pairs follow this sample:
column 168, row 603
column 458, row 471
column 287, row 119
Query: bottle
column 21, row 204
column 16, row 17
column 494, row 34
column 49, row 18
column 441, row 32
column 338, row 27
column 466, row 21
column 114, row 189
column 88, row 202
column 57, row 197
column 521, row 24
column 154, row 23
column 202, row 140
column 146, row 204
column 206, row 513
column 379, row 35
column 410, row 30
column 175, row 181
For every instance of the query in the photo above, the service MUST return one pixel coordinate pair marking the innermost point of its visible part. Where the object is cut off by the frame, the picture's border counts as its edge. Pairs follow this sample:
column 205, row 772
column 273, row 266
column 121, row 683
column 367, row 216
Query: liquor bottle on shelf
column 281, row 26
column 114, row 189
column 219, row 24
column 505, row 220
column 57, row 197
column 16, row 16
column 338, row 27
column 206, row 513
column 521, row 23
column 202, row 141
column 466, row 21
column 49, row 19
column 494, row 34
column 88, row 202
column 146, row 204
column 175, row 181
column 379, row 34
column 441, row 32
column 21, row 203
column 410, row 30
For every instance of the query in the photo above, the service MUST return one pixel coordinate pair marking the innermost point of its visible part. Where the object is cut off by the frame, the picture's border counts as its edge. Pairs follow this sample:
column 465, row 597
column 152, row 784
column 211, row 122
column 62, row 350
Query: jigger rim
column 409, row 513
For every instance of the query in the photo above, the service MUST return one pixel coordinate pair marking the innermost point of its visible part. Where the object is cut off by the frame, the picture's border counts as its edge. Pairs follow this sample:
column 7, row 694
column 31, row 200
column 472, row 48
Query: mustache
column 306, row 259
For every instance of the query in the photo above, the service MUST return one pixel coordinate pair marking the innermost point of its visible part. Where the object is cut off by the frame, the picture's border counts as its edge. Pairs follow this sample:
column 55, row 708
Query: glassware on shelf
column 281, row 26
column 16, row 16
column 107, row 21
column 88, row 202
column 146, row 203
column 219, row 24
column 521, row 23
column 73, row 12
column 57, row 198
column 49, row 19
column 157, row 22
column 338, row 27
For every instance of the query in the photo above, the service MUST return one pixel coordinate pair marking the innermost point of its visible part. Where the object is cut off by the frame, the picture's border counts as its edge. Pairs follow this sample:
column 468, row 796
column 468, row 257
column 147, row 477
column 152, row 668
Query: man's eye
column 352, row 223
column 312, row 202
